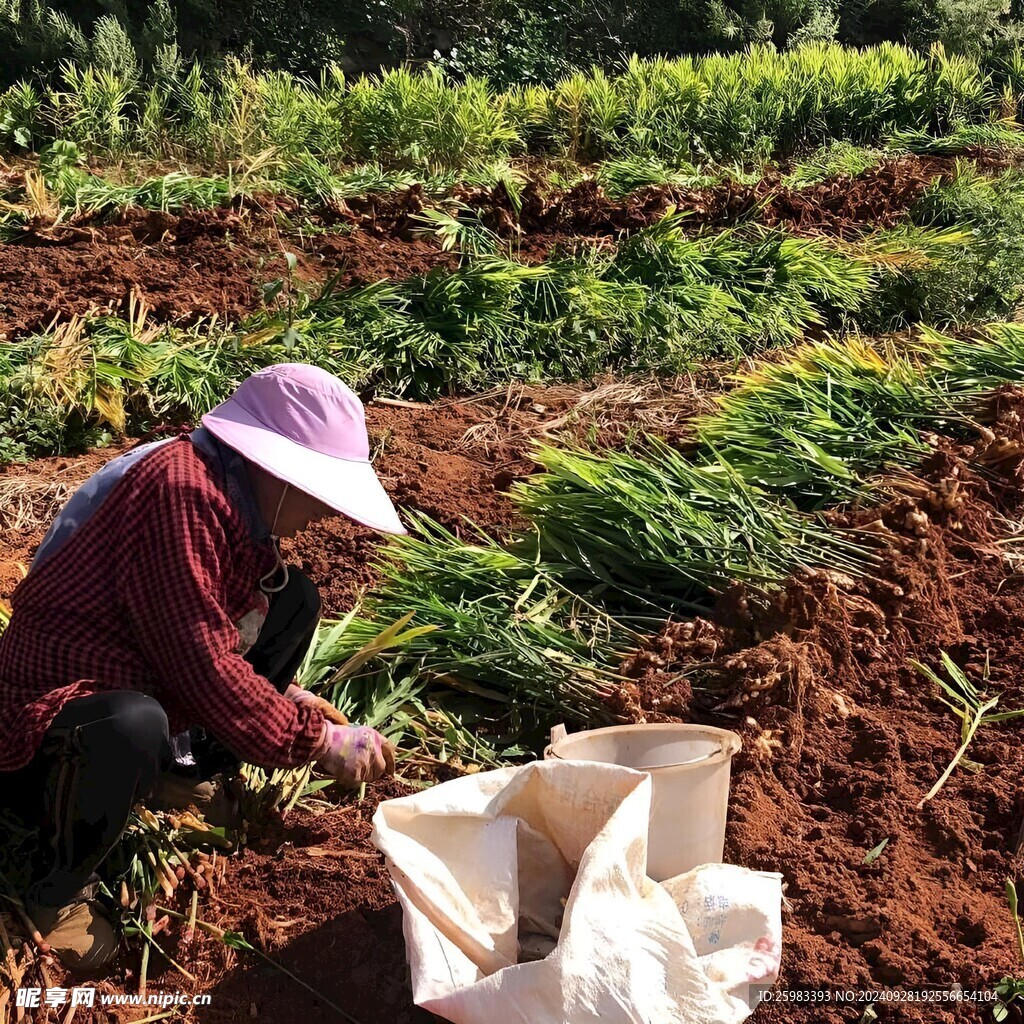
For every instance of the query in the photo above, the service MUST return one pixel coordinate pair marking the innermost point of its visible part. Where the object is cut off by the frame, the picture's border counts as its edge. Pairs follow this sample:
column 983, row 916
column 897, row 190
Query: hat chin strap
column 281, row 564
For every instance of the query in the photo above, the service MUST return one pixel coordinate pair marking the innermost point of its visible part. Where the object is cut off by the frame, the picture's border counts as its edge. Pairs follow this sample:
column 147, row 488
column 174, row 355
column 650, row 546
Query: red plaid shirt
column 145, row 596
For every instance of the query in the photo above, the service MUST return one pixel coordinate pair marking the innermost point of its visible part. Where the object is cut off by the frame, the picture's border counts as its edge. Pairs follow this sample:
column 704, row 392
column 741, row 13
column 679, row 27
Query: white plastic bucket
column 689, row 767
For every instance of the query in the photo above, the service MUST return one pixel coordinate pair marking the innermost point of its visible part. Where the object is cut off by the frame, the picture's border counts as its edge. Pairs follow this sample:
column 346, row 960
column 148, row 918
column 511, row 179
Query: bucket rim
column 731, row 743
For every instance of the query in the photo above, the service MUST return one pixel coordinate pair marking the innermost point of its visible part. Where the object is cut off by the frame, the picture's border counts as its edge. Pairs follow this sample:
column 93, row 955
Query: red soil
column 314, row 894
column 310, row 892
column 186, row 268
column 842, row 740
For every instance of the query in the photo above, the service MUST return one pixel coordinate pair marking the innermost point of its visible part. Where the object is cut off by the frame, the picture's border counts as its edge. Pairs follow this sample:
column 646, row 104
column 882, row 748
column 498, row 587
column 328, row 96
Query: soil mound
column 187, row 267
column 841, row 204
column 181, row 279
column 843, row 739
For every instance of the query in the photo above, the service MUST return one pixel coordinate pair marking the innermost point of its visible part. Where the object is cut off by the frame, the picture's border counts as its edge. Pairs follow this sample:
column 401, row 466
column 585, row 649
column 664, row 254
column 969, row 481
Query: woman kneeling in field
column 154, row 643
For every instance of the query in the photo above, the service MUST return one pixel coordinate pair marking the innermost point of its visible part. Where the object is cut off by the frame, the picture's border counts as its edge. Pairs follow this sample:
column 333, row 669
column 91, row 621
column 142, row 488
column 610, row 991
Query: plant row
column 63, row 185
column 659, row 300
column 758, row 103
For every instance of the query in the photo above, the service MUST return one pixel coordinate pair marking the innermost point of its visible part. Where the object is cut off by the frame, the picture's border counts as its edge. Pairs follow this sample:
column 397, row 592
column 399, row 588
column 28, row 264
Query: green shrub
column 522, row 46
column 983, row 278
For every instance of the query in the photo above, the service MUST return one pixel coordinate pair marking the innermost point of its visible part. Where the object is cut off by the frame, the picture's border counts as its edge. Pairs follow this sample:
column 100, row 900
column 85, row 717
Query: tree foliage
column 509, row 42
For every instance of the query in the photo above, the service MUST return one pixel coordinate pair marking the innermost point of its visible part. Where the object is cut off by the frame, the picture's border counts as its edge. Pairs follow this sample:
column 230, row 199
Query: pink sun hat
column 304, row 426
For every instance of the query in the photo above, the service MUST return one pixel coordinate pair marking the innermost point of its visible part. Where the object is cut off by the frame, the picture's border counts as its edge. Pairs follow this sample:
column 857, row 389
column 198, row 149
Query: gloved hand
column 297, row 695
column 355, row 754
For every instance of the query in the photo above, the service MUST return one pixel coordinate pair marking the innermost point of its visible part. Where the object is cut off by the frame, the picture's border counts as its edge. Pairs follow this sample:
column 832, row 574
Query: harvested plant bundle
column 816, row 423
column 737, row 290
column 379, row 684
column 979, row 361
column 172, row 192
column 507, row 630
column 665, row 530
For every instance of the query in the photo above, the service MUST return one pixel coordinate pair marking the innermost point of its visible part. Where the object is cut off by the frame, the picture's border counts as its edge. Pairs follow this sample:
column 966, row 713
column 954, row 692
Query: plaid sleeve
column 172, row 579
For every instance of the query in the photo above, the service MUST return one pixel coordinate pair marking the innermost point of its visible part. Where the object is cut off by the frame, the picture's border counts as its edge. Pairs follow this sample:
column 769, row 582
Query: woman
column 158, row 632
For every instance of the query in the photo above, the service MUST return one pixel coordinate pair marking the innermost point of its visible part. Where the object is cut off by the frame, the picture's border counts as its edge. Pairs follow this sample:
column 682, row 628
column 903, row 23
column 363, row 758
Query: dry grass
column 615, row 413
column 517, row 416
column 612, row 413
column 39, row 205
column 27, row 505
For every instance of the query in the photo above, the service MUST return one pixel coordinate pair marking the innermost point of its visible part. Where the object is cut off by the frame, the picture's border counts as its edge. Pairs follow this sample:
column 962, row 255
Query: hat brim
column 350, row 487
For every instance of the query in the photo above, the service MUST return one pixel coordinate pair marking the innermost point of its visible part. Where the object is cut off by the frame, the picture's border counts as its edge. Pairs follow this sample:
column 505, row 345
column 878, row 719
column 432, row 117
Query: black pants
column 104, row 752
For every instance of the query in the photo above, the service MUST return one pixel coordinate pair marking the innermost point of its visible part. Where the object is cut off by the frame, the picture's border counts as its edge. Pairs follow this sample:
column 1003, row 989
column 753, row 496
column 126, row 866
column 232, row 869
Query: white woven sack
column 552, row 855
